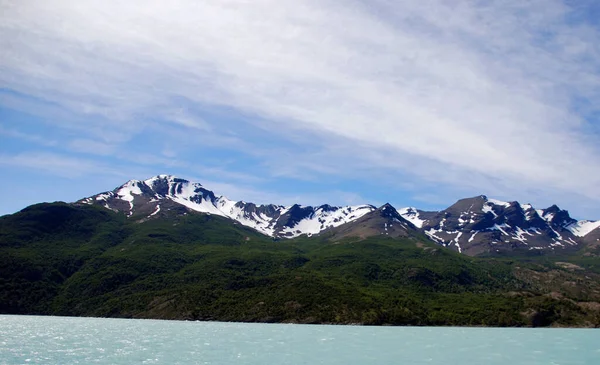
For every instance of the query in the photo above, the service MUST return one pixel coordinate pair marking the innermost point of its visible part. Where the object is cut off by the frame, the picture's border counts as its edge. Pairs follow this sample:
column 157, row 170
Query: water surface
column 64, row 340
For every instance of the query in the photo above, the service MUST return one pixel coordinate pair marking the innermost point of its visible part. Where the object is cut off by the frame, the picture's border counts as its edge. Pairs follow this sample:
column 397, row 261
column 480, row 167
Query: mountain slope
column 385, row 221
column 592, row 242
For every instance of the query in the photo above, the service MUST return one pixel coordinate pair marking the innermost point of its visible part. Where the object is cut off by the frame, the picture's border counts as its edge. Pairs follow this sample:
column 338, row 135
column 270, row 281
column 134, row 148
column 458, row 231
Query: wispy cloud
column 91, row 147
column 183, row 118
column 490, row 96
column 29, row 137
column 58, row 164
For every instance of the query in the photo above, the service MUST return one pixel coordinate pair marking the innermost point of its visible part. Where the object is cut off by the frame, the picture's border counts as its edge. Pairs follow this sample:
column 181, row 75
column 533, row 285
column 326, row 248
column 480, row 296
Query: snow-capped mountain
column 473, row 226
column 481, row 224
column 151, row 198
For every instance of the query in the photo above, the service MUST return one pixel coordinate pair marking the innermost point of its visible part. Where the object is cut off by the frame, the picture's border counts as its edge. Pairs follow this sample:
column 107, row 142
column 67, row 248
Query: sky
column 415, row 103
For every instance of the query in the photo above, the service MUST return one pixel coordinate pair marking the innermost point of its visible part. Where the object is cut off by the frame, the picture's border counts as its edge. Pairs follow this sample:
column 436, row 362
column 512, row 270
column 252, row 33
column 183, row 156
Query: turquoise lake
column 64, row 340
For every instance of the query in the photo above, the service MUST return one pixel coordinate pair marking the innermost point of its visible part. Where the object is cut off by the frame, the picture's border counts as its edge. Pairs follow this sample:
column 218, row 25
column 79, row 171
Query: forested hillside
column 82, row 260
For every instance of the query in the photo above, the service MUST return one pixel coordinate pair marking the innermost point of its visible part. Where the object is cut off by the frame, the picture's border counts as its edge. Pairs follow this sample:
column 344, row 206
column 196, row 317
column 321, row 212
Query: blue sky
column 340, row 102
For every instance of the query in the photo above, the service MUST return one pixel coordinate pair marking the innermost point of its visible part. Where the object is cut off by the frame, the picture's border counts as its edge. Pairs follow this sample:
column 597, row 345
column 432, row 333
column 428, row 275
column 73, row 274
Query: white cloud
column 461, row 93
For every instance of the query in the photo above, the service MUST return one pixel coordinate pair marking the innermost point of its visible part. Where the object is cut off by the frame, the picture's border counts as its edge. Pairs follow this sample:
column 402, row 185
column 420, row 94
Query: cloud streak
column 37, row 139
column 474, row 95
column 58, row 164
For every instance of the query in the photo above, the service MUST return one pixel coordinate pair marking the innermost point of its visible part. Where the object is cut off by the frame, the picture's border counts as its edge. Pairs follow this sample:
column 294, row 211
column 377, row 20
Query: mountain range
column 171, row 249
column 474, row 226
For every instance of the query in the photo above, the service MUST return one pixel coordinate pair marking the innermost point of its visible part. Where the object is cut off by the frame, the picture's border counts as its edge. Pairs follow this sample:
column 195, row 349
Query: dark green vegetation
column 88, row 261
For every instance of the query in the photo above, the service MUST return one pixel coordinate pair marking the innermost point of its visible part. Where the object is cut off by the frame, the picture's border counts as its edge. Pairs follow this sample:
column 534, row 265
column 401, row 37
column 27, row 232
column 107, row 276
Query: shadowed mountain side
column 385, row 221
column 592, row 242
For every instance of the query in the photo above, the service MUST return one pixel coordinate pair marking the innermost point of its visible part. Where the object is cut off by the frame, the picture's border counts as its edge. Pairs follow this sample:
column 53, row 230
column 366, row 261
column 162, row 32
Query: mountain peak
column 552, row 209
column 388, row 211
column 165, row 178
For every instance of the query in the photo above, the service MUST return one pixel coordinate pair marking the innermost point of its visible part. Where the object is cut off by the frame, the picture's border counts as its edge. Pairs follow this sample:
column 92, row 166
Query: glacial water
column 63, row 340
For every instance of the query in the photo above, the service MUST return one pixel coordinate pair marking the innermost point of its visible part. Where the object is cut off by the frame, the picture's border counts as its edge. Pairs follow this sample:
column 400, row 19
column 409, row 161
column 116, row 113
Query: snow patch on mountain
column 487, row 208
column 432, row 234
column 473, row 236
column 322, row 219
column 128, row 191
column 412, row 215
column 582, row 228
column 103, row 196
column 502, row 228
column 155, row 211
column 260, row 222
column 498, row 202
column 540, row 212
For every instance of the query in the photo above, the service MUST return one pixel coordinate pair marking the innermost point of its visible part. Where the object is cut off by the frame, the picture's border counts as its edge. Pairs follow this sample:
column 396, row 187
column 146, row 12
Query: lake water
column 63, row 340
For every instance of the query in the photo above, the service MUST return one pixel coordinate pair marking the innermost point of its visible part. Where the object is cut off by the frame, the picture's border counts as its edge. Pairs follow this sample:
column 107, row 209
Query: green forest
column 71, row 260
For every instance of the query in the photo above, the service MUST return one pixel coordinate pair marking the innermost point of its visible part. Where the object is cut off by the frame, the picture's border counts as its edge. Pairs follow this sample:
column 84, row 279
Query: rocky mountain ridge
column 150, row 198
column 474, row 226
column 480, row 224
